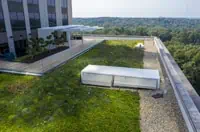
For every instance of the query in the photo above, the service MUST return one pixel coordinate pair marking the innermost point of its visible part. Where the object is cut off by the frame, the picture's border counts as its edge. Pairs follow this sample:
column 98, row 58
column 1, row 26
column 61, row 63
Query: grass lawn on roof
column 59, row 102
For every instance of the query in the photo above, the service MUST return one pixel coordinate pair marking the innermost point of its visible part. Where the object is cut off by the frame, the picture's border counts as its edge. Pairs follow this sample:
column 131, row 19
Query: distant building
column 20, row 19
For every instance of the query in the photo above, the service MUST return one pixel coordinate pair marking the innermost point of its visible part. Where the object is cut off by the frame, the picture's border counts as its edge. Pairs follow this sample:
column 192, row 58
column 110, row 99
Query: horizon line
column 141, row 17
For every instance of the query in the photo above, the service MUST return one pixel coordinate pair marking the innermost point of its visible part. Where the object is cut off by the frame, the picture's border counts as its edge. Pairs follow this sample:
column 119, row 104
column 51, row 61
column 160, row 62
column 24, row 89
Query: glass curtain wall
column 3, row 46
column 34, row 15
column 2, row 24
column 64, row 12
column 51, row 12
column 16, row 15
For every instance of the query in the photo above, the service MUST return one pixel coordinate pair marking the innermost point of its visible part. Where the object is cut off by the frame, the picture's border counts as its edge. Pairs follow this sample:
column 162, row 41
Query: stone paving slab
column 48, row 63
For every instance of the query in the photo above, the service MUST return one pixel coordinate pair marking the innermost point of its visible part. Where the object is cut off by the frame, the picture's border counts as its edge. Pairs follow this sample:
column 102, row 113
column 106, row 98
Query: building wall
column 28, row 15
column 69, row 7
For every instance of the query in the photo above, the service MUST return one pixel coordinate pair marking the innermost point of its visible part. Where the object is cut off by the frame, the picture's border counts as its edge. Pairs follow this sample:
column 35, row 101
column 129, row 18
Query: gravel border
column 163, row 114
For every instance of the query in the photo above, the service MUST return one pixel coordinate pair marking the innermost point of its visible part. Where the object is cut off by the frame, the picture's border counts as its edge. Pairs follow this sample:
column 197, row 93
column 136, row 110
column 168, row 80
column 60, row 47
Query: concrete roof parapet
column 179, row 82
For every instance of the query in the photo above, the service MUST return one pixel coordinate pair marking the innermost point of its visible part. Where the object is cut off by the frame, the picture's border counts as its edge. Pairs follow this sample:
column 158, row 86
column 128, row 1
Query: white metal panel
column 61, row 27
column 72, row 28
column 96, row 79
column 46, row 31
column 120, row 77
column 120, row 81
column 123, row 71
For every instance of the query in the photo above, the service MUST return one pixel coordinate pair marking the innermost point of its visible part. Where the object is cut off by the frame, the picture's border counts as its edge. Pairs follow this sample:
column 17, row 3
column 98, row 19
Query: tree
column 58, row 39
column 34, row 46
column 142, row 31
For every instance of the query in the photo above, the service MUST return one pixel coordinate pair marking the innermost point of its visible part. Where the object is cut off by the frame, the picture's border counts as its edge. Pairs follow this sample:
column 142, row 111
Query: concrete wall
column 8, row 26
column 27, row 21
column 59, row 13
column 180, row 85
column 70, row 12
column 44, row 20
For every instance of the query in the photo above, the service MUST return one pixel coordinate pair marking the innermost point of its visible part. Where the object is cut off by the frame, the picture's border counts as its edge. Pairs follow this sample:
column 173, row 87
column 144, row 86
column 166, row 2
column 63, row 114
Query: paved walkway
column 159, row 115
column 46, row 64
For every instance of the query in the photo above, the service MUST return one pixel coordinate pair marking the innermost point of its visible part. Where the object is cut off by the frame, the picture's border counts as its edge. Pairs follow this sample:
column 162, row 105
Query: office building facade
column 20, row 19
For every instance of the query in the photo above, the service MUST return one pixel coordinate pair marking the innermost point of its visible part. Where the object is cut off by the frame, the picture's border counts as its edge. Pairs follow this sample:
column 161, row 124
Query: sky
column 136, row 8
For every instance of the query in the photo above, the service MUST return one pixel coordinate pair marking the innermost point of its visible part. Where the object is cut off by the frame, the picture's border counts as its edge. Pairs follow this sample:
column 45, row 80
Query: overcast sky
column 136, row 8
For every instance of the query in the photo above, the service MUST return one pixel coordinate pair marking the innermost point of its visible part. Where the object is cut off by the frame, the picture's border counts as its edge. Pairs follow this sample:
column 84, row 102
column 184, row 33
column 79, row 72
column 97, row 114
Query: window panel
column 51, row 12
column 13, row 16
column 35, row 2
column 30, row 1
column 54, row 16
column 37, row 16
column 64, row 3
column 65, row 12
column 51, row 2
column 1, row 15
column 20, row 16
column 2, row 23
column 16, row 14
column 34, row 16
column 31, row 15
column 15, row 0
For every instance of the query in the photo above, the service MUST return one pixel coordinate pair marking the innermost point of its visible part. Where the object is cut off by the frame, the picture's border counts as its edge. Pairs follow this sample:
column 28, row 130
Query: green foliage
column 58, row 39
column 59, row 102
column 181, row 35
column 38, row 45
column 35, row 46
column 169, row 23
column 188, row 58
column 186, row 31
column 48, row 41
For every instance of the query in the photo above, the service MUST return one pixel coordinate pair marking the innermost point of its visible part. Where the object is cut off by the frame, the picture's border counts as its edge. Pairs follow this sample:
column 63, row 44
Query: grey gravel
column 161, row 114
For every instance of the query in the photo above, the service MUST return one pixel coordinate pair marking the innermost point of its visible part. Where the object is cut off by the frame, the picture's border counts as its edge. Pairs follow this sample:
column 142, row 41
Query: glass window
column 31, row 16
column 51, row 13
column 37, row 16
column 30, row 1
column 13, row 16
column 16, row 14
column 34, row 16
column 51, row 2
column 65, row 12
column 35, row 2
column 1, row 15
column 16, row 0
column 64, row 3
column 2, row 24
column 20, row 16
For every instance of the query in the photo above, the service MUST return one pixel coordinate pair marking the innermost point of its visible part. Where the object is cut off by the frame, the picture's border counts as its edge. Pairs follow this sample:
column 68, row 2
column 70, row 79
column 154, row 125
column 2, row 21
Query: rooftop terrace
column 177, row 111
